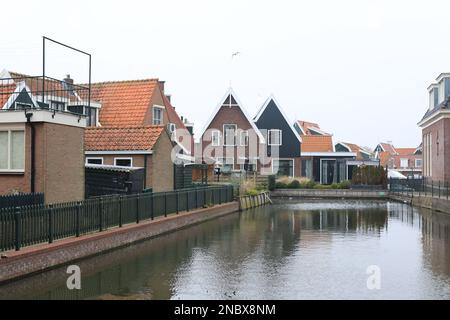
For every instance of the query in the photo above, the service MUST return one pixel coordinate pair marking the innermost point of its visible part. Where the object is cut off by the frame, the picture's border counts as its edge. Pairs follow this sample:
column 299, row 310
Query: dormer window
column 157, row 115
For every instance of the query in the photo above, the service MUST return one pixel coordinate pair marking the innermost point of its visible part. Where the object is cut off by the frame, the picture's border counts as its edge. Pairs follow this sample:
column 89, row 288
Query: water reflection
column 288, row 250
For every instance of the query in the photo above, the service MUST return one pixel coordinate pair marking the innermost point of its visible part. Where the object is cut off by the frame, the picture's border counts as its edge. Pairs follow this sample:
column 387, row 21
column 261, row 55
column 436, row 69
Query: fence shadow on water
column 33, row 224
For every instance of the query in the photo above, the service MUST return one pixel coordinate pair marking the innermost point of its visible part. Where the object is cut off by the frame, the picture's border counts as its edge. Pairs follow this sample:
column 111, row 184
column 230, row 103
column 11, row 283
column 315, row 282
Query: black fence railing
column 21, row 199
column 29, row 225
column 420, row 187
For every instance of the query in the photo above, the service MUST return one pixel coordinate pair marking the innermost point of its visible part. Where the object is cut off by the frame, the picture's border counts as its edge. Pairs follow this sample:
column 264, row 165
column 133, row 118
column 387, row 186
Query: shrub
column 281, row 185
column 369, row 175
column 252, row 192
column 322, row 186
column 345, row 184
column 272, row 182
column 308, row 184
column 295, row 184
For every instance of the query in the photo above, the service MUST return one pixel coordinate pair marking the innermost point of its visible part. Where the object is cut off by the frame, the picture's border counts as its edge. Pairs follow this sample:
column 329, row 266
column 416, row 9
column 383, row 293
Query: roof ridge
column 127, row 127
column 122, row 81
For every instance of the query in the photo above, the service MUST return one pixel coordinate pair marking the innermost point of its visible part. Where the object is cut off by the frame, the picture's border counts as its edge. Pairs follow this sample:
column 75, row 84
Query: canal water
column 290, row 250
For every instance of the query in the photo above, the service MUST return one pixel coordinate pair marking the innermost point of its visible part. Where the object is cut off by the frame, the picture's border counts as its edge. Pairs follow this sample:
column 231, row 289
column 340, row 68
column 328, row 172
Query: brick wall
column 162, row 165
column 440, row 153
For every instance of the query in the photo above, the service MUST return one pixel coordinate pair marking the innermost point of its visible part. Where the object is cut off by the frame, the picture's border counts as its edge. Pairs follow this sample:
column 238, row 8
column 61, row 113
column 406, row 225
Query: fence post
column 50, row 224
column 165, row 204
column 100, row 214
column 439, row 192
column 78, row 212
column 18, row 222
column 177, row 200
column 187, row 201
column 151, row 206
column 137, row 208
column 120, row 211
column 196, row 198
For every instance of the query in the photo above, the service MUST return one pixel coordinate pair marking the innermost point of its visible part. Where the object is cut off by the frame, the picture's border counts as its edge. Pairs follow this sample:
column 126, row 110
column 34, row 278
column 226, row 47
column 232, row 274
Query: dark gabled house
column 273, row 122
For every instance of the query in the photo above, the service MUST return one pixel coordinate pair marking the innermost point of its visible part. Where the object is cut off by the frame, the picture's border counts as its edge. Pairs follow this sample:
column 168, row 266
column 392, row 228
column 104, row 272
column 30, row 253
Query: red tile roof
column 316, row 143
column 356, row 149
column 121, row 139
column 388, row 147
column 6, row 91
column 124, row 103
column 306, row 125
column 405, row 151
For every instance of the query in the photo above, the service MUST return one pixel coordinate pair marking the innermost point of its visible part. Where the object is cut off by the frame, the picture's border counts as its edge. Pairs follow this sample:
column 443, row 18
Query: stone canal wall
column 433, row 203
column 39, row 258
column 329, row 193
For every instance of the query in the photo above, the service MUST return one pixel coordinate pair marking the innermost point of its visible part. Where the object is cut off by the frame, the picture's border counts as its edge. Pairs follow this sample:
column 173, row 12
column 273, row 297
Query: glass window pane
column 17, row 150
column 3, row 150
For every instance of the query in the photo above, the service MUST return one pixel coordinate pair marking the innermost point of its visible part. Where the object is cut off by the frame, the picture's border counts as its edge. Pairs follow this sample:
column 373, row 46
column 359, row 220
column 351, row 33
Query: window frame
column 223, row 162
column 9, row 131
column 94, row 158
column 269, row 142
column 407, row 163
column 218, row 138
column 245, row 138
column 161, row 108
column 123, row 158
column 225, row 135
column 421, row 163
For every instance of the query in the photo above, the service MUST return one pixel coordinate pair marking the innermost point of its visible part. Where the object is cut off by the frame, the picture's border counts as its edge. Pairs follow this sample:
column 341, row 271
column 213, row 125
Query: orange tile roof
column 405, row 151
column 124, row 103
column 305, row 125
column 121, row 139
column 384, row 157
column 316, row 143
column 5, row 92
column 388, row 147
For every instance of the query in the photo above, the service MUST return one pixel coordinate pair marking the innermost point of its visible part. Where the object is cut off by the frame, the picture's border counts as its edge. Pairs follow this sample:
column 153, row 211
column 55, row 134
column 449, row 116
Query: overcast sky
column 358, row 68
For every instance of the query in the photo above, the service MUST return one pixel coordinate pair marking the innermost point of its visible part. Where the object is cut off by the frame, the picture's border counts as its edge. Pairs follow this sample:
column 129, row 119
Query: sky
column 359, row 68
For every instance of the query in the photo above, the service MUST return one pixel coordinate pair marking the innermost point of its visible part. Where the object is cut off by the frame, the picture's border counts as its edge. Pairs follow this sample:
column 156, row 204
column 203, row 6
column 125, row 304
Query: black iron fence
column 29, row 225
column 21, row 199
column 420, row 187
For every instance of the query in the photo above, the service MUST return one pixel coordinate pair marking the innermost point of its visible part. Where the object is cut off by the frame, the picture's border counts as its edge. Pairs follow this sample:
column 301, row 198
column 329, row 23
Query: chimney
column 169, row 96
column 68, row 79
column 161, row 85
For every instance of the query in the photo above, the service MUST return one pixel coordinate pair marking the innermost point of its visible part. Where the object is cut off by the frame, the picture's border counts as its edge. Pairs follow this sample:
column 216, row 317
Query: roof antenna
column 235, row 54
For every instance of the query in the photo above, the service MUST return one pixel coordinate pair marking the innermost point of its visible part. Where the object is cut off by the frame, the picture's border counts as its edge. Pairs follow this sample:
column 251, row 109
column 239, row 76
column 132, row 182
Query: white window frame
column 22, row 103
column 269, row 142
column 290, row 159
column 9, row 130
column 401, row 161
column 213, row 132
column 224, row 158
column 123, row 158
column 225, row 135
column 244, row 138
column 94, row 158
column 415, row 163
column 162, row 115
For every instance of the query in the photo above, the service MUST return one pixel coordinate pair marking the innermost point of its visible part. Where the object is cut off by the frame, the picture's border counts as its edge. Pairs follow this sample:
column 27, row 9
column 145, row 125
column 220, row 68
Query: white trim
column 291, row 159
column 12, row 98
column 239, row 104
column 280, row 135
column 93, row 158
column 225, row 135
column 9, row 131
column 345, row 146
column 43, row 115
column 433, row 118
column 123, row 158
column 118, row 152
column 245, row 139
column 320, row 167
column 162, row 115
column 320, row 132
column 266, row 104
column 327, row 154
column 218, row 132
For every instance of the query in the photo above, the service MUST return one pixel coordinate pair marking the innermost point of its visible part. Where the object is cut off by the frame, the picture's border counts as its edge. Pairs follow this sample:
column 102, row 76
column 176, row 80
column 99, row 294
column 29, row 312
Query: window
column 12, row 150
column 123, row 162
column 22, row 106
column 215, row 138
column 275, row 137
column 283, row 167
column 418, row 163
column 226, row 163
column 307, row 168
column 91, row 116
column 93, row 160
column 244, row 138
column 57, row 105
column 157, row 115
column 229, row 131
column 404, row 163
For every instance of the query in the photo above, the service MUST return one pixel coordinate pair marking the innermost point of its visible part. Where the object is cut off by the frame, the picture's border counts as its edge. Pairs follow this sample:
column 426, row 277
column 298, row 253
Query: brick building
column 407, row 161
column 146, row 147
column 435, row 125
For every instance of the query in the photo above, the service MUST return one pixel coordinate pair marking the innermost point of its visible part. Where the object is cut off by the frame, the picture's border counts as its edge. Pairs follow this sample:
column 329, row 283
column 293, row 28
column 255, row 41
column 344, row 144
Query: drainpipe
column 145, row 170
column 33, row 147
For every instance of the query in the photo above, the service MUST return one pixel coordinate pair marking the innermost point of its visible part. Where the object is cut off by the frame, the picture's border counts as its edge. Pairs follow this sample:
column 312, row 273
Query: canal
column 290, row 250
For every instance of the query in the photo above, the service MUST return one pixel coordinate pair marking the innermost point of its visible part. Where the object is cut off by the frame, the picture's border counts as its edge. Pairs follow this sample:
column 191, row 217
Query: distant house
column 407, row 161
column 320, row 161
column 435, row 125
column 41, row 145
column 272, row 120
column 147, row 147
column 230, row 138
column 364, row 157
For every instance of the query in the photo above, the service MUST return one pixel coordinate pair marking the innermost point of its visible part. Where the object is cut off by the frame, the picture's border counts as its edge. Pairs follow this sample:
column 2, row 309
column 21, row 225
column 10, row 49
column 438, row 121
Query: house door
column 327, row 171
